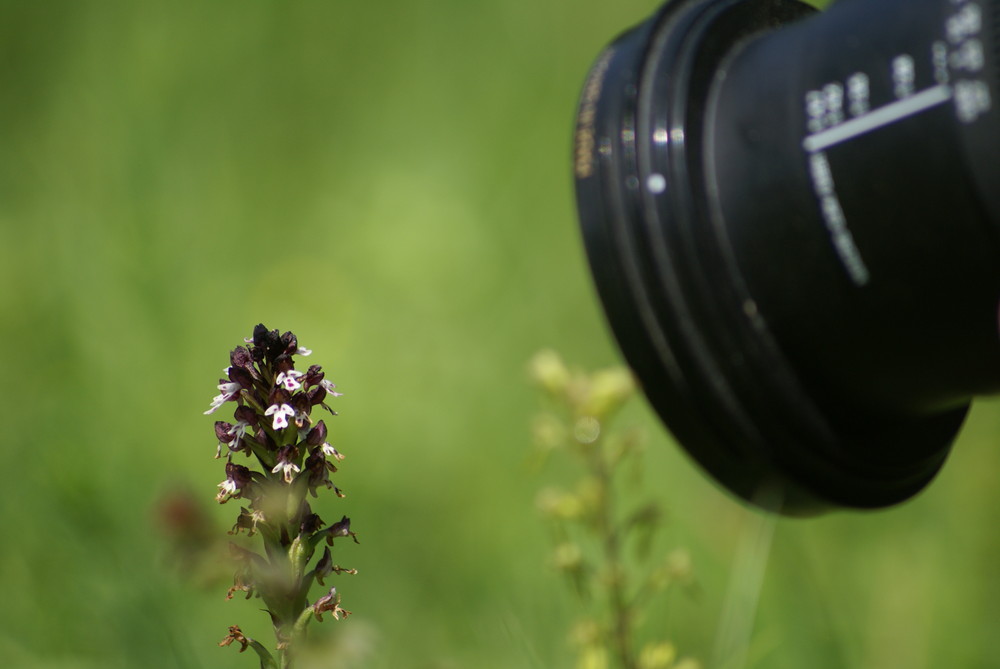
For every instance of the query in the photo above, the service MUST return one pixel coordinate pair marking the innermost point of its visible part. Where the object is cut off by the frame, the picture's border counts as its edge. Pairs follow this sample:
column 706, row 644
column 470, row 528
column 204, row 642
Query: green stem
column 300, row 625
column 621, row 612
column 295, row 634
column 266, row 659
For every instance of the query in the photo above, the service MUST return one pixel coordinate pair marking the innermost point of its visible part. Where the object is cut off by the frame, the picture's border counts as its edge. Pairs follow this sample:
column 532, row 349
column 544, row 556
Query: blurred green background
column 391, row 182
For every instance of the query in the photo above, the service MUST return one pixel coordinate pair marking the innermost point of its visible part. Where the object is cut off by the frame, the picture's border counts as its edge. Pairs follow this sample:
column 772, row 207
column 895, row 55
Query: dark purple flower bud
column 300, row 402
column 240, row 474
column 267, row 344
column 341, row 528
column 223, row 431
column 314, row 375
column 245, row 414
column 228, row 436
column 325, row 566
column 316, row 395
column 265, row 439
column 319, row 474
column 264, row 338
column 241, row 376
column 317, row 435
column 310, row 524
column 278, row 396
column 240, row 357
column 236, row 435
column 283, row 363
column 289, row 342
column 238, row 480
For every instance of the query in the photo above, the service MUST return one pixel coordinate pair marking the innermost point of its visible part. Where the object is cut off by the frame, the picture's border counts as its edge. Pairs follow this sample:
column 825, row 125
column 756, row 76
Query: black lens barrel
column 792, row 220
column 889, row 300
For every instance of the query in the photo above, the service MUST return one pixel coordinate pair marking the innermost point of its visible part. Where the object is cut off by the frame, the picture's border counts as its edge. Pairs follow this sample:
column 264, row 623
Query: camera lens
column 793, row 222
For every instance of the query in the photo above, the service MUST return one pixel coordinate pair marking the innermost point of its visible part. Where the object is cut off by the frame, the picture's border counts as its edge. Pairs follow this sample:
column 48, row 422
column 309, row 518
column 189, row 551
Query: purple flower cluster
column 273, row 427
column 272, row 419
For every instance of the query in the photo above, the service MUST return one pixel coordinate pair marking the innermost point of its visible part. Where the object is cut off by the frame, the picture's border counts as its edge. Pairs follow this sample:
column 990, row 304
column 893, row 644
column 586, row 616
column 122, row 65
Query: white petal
column 217, row 402
column 332, row 452
column 281, row 414
column 329, row 388
column 288, row 379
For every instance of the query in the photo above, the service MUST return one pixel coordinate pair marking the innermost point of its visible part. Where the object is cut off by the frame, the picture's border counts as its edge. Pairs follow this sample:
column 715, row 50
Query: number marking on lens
column 878, row 118
column 833, row 217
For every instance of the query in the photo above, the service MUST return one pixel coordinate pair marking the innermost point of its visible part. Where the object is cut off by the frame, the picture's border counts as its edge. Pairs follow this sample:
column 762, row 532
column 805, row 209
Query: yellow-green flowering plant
column 290, row 458
column 602, row 525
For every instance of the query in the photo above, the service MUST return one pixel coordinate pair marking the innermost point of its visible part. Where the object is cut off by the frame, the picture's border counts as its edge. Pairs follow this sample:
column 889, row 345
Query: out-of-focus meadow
column 390, row 181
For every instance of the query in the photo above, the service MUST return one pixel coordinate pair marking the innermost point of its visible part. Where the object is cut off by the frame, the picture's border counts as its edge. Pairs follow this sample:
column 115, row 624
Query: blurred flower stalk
column 603, row 537
column 290, row 459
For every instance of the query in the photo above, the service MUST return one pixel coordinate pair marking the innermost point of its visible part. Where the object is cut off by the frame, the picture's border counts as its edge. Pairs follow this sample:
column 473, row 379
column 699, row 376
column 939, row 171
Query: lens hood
column 685, row 309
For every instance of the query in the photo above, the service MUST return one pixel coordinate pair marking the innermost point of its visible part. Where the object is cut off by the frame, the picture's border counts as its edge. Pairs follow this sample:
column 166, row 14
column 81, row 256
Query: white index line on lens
column 878, row 118
column 656, row 183
column 732, row 639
